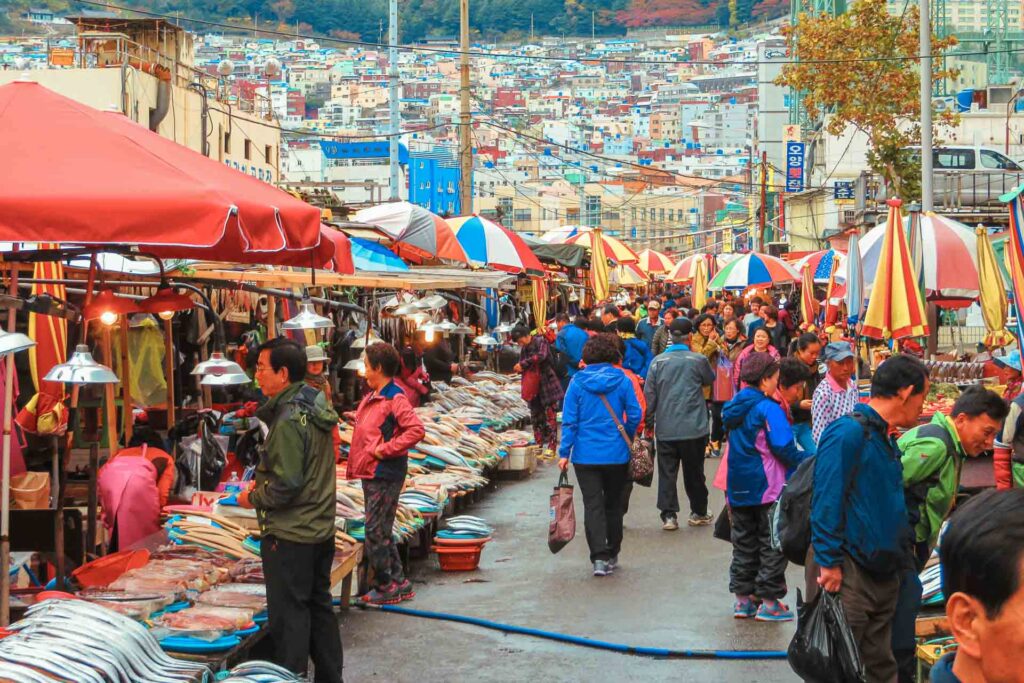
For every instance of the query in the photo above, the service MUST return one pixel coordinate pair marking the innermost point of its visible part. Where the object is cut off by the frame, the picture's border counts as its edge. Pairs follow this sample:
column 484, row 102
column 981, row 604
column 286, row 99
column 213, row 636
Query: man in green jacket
column 933, row 456
column 294, row 498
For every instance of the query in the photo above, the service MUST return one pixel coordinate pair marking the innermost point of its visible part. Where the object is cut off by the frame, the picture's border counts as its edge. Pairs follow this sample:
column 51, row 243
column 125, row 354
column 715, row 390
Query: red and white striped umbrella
column 684, row 271
column 418, row 234
column 655, row 263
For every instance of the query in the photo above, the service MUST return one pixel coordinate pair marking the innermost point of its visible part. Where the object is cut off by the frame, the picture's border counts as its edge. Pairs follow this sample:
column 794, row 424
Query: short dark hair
column 737, row 322
column 898, row 372
column 983, row 547
column 561, row 318
column 805, row 340
column 285, row 353
column 611, row 309
column 792, row 371
column 772, row 312
column 978, row 400
column 626, row 325
column 520, row 331
column 756, row 367
column 756, row 300
column 674, row 312
column 383, row 357
column 595, row 325
column 602, row 348
column 701, row 318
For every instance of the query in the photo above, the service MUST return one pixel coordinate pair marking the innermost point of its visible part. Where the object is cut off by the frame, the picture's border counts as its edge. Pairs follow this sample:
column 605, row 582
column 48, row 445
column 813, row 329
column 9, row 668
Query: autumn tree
column 860, row 69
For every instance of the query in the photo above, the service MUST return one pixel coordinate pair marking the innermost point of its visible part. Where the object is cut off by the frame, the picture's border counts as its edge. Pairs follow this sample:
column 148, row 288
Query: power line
column 533, row 57
column 330, row 136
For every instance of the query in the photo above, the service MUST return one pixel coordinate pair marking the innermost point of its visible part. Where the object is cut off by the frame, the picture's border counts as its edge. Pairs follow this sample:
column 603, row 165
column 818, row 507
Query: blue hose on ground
column 662, row 653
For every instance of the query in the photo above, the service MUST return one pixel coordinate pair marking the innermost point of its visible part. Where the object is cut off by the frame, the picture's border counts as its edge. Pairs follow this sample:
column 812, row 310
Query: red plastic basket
column 459, row 558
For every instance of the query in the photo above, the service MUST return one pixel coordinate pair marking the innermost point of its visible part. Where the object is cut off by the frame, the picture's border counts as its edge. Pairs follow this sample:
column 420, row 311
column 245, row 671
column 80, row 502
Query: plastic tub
column 464, row 558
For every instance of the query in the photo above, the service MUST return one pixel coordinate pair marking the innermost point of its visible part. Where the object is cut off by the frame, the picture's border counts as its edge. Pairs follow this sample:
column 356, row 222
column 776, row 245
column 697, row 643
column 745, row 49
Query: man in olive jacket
column 294, row 501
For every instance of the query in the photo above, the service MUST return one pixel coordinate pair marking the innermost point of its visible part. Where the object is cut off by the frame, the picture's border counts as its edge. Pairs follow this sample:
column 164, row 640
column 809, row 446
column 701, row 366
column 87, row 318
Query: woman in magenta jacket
column 386, row 428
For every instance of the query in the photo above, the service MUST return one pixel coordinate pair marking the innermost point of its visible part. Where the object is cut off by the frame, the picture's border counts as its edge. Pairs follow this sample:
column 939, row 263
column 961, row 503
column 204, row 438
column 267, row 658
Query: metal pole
column 5, row 492
column 926, row 106
column 764, row 201
column 465, row 144
column 396, row 117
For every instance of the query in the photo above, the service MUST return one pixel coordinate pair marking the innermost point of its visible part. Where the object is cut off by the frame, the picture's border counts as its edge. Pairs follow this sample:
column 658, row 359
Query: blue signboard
column 843, row 189
column 361, row 150
column 794, row 167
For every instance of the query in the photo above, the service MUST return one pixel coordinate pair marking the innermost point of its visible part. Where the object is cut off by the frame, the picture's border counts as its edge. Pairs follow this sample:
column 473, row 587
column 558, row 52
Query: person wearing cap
column 678, row 415
column 648, row 325
column 316, row 370
column 761, row 450
column 837, row 394
column 637, row 357
column 1010, row 371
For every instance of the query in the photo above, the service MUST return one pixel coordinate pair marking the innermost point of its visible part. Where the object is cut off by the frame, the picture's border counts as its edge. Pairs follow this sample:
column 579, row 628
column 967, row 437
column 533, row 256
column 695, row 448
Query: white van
column 972, row 175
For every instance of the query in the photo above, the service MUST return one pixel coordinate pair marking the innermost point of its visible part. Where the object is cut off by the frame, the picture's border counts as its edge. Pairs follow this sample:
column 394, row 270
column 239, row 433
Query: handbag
column 562, row 515
column 722, row 389
column 641, row 463
column 723, row 525
column 531, row 384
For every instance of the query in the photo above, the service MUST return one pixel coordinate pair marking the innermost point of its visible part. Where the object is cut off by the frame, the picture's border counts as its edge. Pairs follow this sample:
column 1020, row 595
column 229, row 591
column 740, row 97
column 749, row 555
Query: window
column 268, row 154
column 247, row 149
column 593, row 210
column 227, row 143
column 962, row 159
column 521, row 215
column 451, row 187
column 997, row 161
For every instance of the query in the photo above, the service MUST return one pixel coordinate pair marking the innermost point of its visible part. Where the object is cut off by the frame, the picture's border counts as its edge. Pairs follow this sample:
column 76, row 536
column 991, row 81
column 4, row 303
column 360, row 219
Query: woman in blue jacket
column 599, row 452
column 638, row 355
column 761, row 450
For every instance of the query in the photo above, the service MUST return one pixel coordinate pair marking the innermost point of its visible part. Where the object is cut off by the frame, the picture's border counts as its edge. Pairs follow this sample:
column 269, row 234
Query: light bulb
column 108, row 317
column 166, row 315
column 428, row 334
column 361, row 371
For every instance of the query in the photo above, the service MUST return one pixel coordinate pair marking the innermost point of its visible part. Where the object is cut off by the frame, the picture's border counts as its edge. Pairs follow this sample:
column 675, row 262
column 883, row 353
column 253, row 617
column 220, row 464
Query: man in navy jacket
column 860, row 531
column 570, row 340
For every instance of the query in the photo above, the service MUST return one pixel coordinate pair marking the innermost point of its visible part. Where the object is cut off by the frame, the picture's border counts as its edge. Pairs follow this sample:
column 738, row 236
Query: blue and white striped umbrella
column 373, row 257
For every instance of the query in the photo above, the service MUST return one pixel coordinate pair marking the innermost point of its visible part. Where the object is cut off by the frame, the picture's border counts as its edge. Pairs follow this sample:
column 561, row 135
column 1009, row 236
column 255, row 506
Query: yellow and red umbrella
column 808, row 303
column 896, row 309
column 700, row 285
column 992, row 294
column 613, row 248
column 598, row 271
column 655, row 263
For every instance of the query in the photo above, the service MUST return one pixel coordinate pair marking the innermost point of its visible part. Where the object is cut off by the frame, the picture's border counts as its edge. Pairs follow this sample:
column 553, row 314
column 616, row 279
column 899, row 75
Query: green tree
column 877, row 96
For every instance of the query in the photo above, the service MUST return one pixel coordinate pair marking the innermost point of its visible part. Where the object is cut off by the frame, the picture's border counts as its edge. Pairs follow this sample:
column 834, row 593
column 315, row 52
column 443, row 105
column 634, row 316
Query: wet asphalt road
column 671, row 592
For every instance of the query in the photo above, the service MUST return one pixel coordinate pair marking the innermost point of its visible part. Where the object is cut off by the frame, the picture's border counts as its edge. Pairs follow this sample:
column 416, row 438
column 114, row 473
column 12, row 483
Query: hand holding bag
column 641, row 463
column 531, row 384
column 562, row 524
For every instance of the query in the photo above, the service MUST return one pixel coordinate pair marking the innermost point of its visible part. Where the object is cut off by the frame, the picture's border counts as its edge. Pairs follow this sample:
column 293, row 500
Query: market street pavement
column 671, row 592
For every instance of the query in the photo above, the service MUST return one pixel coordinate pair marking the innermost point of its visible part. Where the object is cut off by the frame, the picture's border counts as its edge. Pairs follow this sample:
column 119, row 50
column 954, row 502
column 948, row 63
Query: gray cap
column 837, row 351
column 315, row 353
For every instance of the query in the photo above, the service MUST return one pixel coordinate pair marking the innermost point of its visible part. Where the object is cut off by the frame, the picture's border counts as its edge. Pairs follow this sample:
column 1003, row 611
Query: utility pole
column 593, row 32
column 395, row 115
column 465, row 142
column 926, row 107
column 762, row 219
column 531, row 27
column 255, row 25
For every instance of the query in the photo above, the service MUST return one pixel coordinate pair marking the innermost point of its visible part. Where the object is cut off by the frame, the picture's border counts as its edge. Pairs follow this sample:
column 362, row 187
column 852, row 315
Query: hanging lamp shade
column 108, row 302
column 81, row 368
column 12, row 342
column 486, row 340
column 307, row 319
column 225, row 379
column 356, row 364
column 166, row 300
column 217, row 364
column 362, row 342
column 462, row 329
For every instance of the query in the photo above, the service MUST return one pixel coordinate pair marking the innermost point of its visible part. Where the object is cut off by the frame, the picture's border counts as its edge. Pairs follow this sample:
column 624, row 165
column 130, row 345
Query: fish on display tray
column 257, row 603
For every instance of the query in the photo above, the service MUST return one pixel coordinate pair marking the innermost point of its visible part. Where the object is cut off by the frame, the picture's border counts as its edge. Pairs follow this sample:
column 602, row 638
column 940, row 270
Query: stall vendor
column 316, row 370
column 1010, row 367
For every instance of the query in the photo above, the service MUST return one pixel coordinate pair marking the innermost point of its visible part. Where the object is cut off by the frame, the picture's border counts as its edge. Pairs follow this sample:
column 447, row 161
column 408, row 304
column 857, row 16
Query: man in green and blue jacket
column 933, row 457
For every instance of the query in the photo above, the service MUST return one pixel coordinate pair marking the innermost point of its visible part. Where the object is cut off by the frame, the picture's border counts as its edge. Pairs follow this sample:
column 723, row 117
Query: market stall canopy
column 373, row 257
column 684, row 271
column 559, row 235
column 612, row 247
column 992, row 298
column 655, row 263
column 568, row 255
column 74, row 174
column 628, row 275
column 333, row 253
column 753, row 270
column 895, row 309
column 821, row 264
column 418, row 234
column 492, row 245
column 949, row 254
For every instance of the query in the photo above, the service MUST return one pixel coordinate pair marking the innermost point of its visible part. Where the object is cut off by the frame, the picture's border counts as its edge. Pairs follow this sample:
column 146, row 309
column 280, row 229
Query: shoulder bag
column 641, row 464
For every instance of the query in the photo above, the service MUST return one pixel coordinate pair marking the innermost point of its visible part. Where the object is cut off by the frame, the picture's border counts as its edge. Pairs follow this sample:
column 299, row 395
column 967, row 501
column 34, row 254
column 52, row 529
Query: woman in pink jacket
column 386, row 428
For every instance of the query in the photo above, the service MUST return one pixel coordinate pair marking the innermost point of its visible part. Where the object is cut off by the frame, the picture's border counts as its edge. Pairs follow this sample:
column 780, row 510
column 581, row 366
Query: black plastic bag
column 723, row 525
column 823, row 649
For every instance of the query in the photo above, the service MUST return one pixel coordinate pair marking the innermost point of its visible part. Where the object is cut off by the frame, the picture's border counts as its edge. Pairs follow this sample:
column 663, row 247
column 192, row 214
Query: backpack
column 917, row 494
column 790, row 516
column 560, row 363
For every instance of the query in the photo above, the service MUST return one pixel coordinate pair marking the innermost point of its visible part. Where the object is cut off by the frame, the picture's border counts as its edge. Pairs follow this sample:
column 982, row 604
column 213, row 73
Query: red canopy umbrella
column 334, row 253
column 74, row 174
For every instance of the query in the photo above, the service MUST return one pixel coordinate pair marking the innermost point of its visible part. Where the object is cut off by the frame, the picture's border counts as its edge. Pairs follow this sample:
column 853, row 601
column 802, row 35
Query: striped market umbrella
column 613, row 248
column 808, row 303
column 854, row 284
column 822, row 265
column 563, row 233
column 599, row 274
column 419, row 235
column 700, row 285
column 654, row 262
column 488, row 243
column 949, row 256
column 685, row 270
column 1015, row 253
column 628, row 275
column 753, row 270
column 895, row 309
column 372, row 257
column 992, row 298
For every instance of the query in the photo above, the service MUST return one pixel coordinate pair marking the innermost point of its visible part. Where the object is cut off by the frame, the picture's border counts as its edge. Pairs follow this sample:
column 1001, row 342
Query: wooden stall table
column 341, row 572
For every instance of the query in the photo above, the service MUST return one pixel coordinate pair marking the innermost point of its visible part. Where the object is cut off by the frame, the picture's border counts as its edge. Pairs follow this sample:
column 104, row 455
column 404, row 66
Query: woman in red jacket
column 386, row 428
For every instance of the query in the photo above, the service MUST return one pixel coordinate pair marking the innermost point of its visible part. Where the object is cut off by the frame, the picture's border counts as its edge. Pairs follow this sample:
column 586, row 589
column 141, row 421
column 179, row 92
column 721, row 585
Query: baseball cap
column 653, row 303
column 836, row 351
column 681, row 327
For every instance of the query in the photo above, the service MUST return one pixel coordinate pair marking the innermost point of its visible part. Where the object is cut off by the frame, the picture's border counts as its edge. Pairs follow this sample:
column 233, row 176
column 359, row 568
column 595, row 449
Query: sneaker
column 669, row 523
column 405, row 591
column 744, row 609
column 773, row 610
column 613, row 564
column 386, row 595
column 700, row 520
column 714, row 450
column 601, row 568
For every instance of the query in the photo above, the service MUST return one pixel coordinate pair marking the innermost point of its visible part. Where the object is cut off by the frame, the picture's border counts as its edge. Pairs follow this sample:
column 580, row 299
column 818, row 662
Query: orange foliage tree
column 861, row 69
